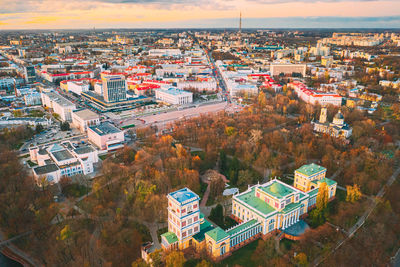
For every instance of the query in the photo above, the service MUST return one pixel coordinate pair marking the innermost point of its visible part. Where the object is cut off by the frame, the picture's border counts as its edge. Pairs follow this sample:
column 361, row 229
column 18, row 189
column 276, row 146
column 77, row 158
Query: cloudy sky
column 61, row 14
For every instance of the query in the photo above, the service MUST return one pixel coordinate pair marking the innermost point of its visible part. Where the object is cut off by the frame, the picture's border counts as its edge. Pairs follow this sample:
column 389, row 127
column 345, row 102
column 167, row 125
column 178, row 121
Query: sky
column 85, row 14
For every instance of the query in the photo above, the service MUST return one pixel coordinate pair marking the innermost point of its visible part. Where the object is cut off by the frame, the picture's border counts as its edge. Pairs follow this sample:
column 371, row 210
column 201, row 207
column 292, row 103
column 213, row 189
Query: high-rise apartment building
column 114, row 88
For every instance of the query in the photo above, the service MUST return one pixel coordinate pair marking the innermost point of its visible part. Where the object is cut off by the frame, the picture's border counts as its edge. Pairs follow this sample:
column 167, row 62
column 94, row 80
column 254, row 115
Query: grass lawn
column 103, row 157
column 30, row 163
column 75, row 190
column 241, row 257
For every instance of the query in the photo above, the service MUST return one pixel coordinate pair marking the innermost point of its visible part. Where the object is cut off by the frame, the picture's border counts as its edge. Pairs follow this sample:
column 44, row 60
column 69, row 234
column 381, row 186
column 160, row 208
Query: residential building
column 33, row 99
column 314, row 96
column 282, row 68
column 58, row 104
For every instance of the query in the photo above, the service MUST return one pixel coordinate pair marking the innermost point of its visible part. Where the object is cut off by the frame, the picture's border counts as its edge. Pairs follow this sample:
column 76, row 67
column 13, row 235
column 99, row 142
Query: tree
column 175, row 259
column 203, row 263
column 353, row 193
column 217, row 215
column 261, row 99
column 64, row 126
column 217, row 186
column 265, row 251
column 39, row 128
column 322, row 196
column 301, row 259
column 222, row 162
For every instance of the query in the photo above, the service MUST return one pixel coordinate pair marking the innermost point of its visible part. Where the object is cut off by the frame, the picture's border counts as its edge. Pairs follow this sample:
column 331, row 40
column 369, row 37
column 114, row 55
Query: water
column 7, row 262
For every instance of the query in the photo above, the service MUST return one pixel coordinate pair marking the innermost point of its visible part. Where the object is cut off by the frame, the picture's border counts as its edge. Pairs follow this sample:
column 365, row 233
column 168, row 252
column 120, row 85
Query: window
column 184, row 210
column 195, row 219
column 190, row 221
column 194, row 206
column 183, row 234
column 196, row 228
column 183, row 223
column 190, row 231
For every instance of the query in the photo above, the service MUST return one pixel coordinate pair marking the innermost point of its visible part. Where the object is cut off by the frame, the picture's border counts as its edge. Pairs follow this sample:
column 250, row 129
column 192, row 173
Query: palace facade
column 260, row 211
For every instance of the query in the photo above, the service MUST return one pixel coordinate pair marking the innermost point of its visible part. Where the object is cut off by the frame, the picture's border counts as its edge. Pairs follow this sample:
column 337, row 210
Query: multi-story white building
column 313, row 96
column 58, row 160
column 174, row 96
column 106, row 136
column 59, row 104
column 277, row 68
column 82, row 119
column 78, row 87
column 33, row 99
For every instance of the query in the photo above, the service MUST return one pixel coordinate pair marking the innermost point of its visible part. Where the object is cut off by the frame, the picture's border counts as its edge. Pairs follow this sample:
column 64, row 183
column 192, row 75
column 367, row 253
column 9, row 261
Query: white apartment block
column 314, row 97
column 78, row 87
column 59, row 104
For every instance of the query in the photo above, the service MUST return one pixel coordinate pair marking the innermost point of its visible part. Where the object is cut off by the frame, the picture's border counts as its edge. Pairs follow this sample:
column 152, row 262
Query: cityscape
column 136, row 134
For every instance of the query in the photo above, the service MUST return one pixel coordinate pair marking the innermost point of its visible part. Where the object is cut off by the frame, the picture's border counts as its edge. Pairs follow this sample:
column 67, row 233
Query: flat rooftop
column 62, row 155
column 83, row 150
column 310, row 169
column 59, row 99
column 86, row 114
column 104, row 129
column 41, row 170
column 183, row 195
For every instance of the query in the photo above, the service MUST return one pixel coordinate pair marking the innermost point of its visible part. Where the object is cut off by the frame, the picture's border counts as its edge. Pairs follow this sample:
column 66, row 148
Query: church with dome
column 336, row 128
column 260, row 212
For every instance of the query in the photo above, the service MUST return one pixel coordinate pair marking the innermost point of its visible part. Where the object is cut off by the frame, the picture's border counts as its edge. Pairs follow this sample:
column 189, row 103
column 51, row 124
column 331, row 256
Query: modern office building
column 30, row 74
column 114, row 88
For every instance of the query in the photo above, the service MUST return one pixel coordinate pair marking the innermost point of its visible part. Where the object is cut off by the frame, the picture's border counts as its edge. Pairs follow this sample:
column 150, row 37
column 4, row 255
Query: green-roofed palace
column 261, row 210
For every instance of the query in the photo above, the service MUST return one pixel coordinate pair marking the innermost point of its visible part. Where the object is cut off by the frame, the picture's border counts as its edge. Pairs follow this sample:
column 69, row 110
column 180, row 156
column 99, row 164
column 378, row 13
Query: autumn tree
column 353, row 193
column 175, row 259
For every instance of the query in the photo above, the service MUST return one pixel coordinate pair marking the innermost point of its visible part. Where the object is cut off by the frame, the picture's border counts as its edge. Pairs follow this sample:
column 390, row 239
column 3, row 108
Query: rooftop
column 250, row 199
column 170, row 237
column 242, row 226
column 310, row 169
column 217, row 234
column 105, row 128
column 277, row 189
column 204, row 227
column 86, row 114
column 62, row 155
column 183, row 195
column 83, row 150
column 45, row 169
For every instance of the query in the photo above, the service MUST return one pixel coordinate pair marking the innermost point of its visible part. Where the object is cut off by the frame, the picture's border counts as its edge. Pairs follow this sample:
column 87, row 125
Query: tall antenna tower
column 240, row 22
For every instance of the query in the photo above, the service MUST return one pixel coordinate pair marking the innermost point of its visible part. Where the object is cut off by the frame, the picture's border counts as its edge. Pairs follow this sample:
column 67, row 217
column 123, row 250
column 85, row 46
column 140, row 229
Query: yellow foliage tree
column 353, row 193
column 175, row 259
column 322, row 197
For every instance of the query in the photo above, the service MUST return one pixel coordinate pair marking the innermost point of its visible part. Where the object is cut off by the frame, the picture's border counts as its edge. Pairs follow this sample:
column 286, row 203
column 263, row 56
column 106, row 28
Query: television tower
column 240, row 22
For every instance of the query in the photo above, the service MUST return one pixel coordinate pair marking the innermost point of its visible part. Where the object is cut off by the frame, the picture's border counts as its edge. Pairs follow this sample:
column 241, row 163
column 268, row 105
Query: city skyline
column 44, row 14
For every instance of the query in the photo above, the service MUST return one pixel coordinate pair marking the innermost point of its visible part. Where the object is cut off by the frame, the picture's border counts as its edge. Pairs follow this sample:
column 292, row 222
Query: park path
column 360, row 222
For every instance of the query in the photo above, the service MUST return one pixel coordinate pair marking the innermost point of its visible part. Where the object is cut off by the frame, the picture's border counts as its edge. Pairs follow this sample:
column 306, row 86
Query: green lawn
column 75, row 190
column 241, row 257
column 103, row 157
column 30, row 163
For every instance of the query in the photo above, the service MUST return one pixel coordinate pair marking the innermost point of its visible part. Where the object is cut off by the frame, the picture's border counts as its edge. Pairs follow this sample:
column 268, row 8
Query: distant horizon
column 76, row 14
column 283, row 23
